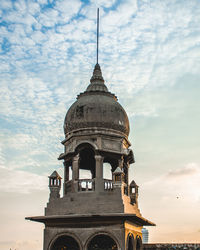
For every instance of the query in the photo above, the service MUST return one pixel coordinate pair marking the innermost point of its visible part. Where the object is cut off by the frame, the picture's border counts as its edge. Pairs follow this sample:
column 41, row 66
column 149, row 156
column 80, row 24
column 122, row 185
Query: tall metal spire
column 97, row 81
column 97, row 35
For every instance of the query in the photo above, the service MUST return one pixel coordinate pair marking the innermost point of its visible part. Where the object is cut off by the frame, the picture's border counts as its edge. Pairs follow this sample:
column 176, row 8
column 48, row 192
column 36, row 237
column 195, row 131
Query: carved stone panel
column 111, row 145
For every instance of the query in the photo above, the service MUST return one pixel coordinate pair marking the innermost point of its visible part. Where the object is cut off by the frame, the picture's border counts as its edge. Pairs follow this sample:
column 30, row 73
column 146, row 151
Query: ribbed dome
column 96, row 107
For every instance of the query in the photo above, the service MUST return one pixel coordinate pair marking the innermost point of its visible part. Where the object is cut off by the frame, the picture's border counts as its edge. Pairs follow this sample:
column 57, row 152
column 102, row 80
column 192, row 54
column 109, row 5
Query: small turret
column 118, row 175
column 54, row 185
column 134, row 192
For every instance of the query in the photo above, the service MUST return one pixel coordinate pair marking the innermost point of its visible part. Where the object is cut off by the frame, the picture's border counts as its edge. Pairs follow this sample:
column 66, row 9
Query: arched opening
column 107, row 176
column 109, row 166
column 139, row 243
column 102, row 242
column 86, row 161
column 86, row 167
column 130, row 242
column 70, row 173
column 65, row 242
column 107, row 171
column 67, row 170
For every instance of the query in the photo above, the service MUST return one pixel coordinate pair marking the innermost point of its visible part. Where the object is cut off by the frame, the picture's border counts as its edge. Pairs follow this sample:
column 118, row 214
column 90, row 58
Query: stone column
column 127, row 178
column 75, row 168
column 99, row 182
column 126, row 172
column 99, row 166
column 66, row 176
column 66, row 171
column 121, row 163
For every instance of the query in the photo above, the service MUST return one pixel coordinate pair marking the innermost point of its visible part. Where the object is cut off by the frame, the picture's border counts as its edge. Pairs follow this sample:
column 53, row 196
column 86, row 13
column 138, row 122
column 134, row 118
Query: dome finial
column 97, row 75
column 97, row 81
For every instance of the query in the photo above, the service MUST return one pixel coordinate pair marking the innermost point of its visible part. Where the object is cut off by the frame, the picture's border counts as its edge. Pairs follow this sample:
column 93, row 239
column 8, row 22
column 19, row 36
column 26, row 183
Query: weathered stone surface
column 96, row 107
column 96, row 134
column 83, row 233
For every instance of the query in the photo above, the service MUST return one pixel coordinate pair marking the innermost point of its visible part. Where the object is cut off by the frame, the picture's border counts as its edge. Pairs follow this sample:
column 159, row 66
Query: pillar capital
column 98, row 158
column 76, row 157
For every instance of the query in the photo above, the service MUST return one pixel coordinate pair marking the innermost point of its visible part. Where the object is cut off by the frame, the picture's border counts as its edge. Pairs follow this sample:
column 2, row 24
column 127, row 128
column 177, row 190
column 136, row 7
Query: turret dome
column 96, row 108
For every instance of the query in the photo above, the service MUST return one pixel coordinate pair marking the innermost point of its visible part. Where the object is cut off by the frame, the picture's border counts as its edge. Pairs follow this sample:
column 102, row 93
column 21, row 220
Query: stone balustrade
column 86, row 185
column 108, row 185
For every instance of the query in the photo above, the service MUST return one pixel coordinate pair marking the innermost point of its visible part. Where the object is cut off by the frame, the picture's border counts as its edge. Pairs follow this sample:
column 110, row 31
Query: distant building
column 171, row 246
column 145, row 235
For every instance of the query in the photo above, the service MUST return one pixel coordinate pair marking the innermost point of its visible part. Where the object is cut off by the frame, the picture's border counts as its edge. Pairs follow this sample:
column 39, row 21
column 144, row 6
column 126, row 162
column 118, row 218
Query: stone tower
column 94, row 212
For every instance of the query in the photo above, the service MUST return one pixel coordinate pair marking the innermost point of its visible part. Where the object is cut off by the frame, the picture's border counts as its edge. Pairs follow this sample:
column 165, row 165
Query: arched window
column 139, row 243
column 102, row 242
column 130, row 242
column 64, row 243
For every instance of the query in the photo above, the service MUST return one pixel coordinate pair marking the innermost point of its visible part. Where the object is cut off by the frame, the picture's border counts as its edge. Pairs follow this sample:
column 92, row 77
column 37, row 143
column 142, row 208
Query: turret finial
column 97, row 75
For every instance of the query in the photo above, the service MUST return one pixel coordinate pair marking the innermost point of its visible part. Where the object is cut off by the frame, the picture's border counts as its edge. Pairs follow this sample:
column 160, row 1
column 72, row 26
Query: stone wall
column 172, row 246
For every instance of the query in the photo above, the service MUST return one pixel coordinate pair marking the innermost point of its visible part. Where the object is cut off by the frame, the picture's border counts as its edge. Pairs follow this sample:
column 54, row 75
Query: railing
column 86, row 185
column 108, row 185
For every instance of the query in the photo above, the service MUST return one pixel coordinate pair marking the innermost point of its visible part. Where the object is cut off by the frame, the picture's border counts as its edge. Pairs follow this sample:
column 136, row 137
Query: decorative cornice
column 78, row 125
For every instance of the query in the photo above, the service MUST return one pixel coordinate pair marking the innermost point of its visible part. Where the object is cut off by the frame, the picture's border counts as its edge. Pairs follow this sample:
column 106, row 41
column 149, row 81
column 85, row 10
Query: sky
column 150, row 58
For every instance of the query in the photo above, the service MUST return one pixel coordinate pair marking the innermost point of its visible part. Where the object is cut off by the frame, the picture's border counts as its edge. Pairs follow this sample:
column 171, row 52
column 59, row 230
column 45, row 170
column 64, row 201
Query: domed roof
column 96, row 108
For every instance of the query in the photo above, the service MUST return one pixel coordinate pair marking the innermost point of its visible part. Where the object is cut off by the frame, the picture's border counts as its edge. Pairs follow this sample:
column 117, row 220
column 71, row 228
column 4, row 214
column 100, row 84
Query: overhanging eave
column 67, row 219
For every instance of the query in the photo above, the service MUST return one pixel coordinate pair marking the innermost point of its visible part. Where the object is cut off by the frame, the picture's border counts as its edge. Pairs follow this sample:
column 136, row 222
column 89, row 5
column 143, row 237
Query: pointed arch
column 139, row 245
column 130, row 242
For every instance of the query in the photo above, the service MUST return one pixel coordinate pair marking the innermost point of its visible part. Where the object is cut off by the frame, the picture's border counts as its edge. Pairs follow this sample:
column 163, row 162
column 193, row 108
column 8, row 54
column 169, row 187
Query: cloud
column 45, row 66
column 27, row 244
column 165, row 198
column 186, row 172
column 149, row 59
column 103, row 3
column 48, row 18
column 6, row 4
column 21, row 182
column 67, row 9
column 182, row 183
column 23, row 245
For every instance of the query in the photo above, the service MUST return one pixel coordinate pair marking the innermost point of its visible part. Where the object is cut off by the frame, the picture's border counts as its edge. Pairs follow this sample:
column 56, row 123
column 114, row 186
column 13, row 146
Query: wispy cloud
column 47, row 53
column 21, row 182
column 149, row 54
column 182, row 183
column 23, row 245
column 188, row 171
